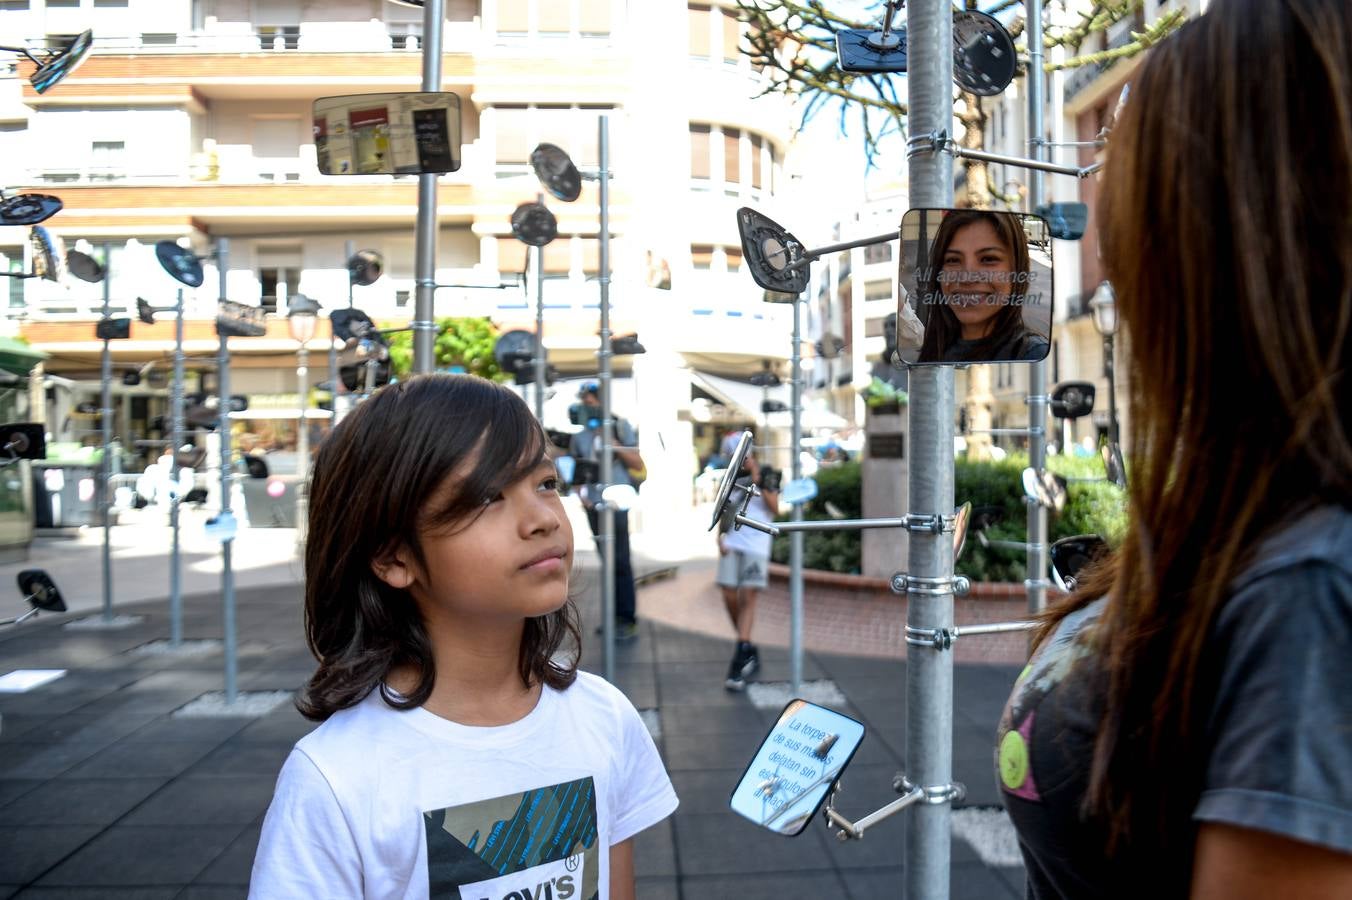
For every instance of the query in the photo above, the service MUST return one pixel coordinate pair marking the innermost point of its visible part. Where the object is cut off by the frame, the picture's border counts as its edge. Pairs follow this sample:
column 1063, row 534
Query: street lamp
column 1104, row 307
column 301, row 316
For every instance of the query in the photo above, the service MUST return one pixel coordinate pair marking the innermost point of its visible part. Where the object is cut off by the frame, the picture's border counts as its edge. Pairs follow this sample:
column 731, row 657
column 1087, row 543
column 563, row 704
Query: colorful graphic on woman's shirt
column 536, row 845
column 1048, row 667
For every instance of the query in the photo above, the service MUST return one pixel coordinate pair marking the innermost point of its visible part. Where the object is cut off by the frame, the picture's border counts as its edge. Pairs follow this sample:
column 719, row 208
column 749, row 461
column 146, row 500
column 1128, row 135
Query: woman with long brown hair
column 1185, row 725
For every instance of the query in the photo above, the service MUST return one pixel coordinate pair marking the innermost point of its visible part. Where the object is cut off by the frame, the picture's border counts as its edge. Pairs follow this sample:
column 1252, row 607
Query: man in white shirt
column 743, row 568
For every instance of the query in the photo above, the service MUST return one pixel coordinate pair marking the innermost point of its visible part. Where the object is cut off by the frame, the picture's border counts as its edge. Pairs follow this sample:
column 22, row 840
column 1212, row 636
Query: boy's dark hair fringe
column 372, row 481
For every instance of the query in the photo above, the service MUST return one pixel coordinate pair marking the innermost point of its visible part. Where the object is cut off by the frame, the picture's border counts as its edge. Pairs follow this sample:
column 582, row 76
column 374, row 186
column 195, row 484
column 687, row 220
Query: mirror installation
column 413, row 133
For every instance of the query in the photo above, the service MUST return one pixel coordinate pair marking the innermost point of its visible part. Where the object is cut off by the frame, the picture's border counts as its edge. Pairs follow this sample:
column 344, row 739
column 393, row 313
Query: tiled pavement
column 103, row 794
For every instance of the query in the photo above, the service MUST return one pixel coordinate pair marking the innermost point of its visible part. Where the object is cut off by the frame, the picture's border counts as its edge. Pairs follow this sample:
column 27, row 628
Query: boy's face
column 510, row 563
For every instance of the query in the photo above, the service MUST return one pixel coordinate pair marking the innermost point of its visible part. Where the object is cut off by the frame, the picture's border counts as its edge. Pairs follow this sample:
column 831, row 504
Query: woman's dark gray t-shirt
column 1277, row 734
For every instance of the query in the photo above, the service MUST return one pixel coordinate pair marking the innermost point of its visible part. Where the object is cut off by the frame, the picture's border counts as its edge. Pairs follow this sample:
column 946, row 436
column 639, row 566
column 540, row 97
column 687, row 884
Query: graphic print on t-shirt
column 535, row 845
column 1048, row 667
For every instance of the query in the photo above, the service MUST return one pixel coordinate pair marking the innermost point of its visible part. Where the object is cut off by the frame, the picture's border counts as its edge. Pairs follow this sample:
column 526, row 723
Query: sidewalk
column 105, row 794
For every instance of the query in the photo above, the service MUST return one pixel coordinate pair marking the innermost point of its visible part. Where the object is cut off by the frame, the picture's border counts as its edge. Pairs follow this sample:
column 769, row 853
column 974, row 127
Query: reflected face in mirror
column 976, row 285
column 975, row 276
column 795, row 767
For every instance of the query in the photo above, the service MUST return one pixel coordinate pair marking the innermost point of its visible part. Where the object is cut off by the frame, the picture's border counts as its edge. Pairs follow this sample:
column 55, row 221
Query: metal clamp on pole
column 943, row 638
column 933, row 524
column 911, row 794
column 903, row 583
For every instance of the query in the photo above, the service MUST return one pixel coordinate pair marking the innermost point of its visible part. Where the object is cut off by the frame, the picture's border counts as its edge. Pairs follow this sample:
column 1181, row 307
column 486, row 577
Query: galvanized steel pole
column 540, row 332
column 929, row 684
column 175, row 442
column 425, row 250
column 607, row 513
column 106, row 424
column 796, row 538
column 1036, row 582
column 227, row 481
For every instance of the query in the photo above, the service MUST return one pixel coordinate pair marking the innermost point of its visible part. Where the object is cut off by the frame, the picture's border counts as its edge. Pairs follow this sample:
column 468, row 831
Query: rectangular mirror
column 796, row 766
column 412, row 133
column 975, row 287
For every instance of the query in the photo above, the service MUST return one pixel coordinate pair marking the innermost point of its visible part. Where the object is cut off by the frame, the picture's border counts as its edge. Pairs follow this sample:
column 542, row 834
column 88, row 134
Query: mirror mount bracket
column 940, row 142
column 845, row 830
column 943, row 638
column 903, row 583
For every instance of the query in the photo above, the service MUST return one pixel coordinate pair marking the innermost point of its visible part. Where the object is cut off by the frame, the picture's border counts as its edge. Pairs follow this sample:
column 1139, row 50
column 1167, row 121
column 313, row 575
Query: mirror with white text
column 975, row 287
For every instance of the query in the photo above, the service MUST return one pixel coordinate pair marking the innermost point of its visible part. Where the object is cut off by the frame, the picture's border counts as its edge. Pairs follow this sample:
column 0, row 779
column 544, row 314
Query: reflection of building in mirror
column 978, row 286
column 387, row 134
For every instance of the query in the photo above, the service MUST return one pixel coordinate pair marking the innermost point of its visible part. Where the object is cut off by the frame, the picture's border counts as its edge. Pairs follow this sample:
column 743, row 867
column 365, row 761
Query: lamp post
column 1104, row 307
column 301, row 317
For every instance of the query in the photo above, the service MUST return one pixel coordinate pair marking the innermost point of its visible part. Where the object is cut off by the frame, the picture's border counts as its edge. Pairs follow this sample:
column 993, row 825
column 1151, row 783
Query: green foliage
column 461, row 343
column 882, row 393
column 1091, row 507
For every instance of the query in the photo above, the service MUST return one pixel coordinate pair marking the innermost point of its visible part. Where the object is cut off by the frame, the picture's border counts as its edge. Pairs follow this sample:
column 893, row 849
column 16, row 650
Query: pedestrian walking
column 1184, row 728
column 628, row 468
column 744, row 567
column 462, row 754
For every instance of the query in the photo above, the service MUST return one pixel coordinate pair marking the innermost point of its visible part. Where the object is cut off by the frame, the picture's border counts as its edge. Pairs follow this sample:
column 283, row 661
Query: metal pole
column 176, row 441
column 796, row 538
column 303, row 440
column 540, row 331
column 1113, row 436
column 425, row 258
column 223, row 427
column 106, row 423
column 929, row 683
column 349, row 248
column 1036, row 584
column 607, row 421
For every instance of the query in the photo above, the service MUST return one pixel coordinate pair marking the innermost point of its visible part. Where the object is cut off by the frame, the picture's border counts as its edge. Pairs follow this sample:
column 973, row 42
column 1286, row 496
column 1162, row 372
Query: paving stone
column 98, row 893
column 235, row 865
column 726, row 844
column 776, row 886
column 20, row 759
column 80, row 801
column 132, row 760
column 128, row 856
column 655, row 851
column 218, row 800
column 31, row 850
column 236, row 757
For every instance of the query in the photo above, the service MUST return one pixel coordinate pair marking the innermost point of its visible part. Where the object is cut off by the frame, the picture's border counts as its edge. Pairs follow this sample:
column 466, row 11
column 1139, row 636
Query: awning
column 738, row 396
column 18, row 358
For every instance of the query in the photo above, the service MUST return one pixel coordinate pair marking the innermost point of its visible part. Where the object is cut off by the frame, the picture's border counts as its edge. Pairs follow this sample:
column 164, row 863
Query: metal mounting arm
column 910, row 794
column 940, row 142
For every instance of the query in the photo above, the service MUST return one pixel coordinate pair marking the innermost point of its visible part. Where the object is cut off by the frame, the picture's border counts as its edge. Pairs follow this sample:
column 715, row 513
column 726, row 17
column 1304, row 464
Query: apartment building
column 191, row 121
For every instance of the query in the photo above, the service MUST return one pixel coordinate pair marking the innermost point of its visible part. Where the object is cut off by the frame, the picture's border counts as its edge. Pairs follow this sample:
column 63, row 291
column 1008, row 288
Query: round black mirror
column 61, row 64
column 144, row 311
column 28, row 209
column 365, row 267
column 983, row 53
column 534, row 225
column 39, row 589
column 769, row 250
column 181, row 263
column 514, row 351
column 350, row 324
column 84, row 267
column 765, row 379
column 1073, row 399
column 1071, row 554
column 725, row 485
column 556, row 172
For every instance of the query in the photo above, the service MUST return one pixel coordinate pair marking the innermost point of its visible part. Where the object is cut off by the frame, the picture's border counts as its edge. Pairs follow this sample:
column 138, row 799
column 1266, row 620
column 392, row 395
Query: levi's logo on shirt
column 554, row 881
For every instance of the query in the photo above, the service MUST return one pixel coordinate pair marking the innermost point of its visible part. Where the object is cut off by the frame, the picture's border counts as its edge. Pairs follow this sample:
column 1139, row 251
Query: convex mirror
column 23, row 440
column 979, row 283
column 28, row 209
column 365, row 267
column 962, row 518
column 39, row 589
column 725, row 504
column 48, row 255
column 795, row 767
column 1073, row 399
column 84, row 267
column 1045, row 488
column 181, row 263
column 1114, row 465
column 1067, row 221
column 413, row 133
column 1071, row 554
column 769, row 250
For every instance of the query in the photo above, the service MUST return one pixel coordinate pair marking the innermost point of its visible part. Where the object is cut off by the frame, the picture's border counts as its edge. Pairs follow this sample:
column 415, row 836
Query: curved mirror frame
column 725, row 485
column 181, row 263
column 84, row 267
column 556, row 172
column 40, row 590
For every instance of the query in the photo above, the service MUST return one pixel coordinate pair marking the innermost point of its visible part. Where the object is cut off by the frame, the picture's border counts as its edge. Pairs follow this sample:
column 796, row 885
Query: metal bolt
column 899, row 583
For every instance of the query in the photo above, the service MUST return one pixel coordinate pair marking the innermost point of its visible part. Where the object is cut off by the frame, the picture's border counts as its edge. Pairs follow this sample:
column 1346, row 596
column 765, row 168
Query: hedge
column 1091, row 507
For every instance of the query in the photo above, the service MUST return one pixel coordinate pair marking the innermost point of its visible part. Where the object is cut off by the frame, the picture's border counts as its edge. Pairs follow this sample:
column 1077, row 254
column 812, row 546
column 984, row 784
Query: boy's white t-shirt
column 379, row 803
column 753, row 541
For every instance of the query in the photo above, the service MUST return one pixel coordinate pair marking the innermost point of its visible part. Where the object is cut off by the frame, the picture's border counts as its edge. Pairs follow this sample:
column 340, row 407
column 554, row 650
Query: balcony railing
column 310, row 37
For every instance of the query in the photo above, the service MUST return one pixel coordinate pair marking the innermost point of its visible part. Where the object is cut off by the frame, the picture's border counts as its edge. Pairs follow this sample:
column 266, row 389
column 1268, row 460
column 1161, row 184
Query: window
column 108, row 161
column 734, row 258
column 401, row 298
column 279, row 37
column 159, row 40
column 756, row 161
column 14, row 5
column 593, row 17
column 699, row 152
column 99, row 4
column 511, row 255
column 513, row 17
column 63, row 4
column 702, row 256
column 554, row 17
column 731, row 34
column 699, row 16
column 277, row 281
column 732, row 156
column 877, row 253
column 877, row 290
column 513, row 130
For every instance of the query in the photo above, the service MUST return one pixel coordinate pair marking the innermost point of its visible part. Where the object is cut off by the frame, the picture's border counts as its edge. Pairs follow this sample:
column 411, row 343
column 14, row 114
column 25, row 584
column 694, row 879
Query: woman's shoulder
column 1320, row 538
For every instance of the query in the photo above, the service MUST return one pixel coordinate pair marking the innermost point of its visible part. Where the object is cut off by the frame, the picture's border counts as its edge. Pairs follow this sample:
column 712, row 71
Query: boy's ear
column 394, row 567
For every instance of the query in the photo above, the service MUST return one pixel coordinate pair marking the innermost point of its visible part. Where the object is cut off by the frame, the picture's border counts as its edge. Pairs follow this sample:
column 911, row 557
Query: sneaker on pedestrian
column 624, row 631
column 744, row 664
